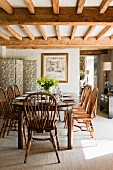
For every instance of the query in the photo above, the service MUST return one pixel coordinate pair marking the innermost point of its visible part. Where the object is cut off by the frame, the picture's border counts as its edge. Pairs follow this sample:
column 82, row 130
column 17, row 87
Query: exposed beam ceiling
column 6, row 6
column 55, row 4
column 105, row 30
column 73, row 32
column 30, row 6
column 89, row 31
column 67, row 16
column 4, row 36
column 27, row 32
column 42, row 31
column 58, row 32
column 65, row 42
column 80, row 6
column 104, row 5
column 15, row 34
column 93, row 52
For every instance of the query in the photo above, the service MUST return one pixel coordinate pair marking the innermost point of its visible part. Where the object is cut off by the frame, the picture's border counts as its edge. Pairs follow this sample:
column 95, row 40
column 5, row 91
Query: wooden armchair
column 87, row 114
column 40, row 111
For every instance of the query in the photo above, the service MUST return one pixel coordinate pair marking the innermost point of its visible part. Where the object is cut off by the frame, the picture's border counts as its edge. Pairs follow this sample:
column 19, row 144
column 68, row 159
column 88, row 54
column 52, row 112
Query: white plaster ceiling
column 62, row 3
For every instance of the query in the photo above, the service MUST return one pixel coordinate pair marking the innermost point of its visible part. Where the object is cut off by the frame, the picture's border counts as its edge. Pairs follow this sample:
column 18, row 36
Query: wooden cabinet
column 106, row 104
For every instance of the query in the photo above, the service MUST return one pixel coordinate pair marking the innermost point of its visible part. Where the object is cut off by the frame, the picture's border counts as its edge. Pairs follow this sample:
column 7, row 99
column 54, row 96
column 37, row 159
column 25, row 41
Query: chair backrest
column 10, row 94
column 4, row 104
column 40, row 110
column 16, row 90
column 86, row 97
column 92, row 105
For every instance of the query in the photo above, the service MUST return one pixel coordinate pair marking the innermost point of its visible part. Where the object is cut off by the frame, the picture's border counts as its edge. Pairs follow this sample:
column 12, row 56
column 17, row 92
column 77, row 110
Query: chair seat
column 39, row 128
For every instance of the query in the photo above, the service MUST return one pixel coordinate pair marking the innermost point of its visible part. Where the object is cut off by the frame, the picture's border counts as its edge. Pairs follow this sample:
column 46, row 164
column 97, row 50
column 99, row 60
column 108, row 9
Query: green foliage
column 81, row 73
column 47, row 82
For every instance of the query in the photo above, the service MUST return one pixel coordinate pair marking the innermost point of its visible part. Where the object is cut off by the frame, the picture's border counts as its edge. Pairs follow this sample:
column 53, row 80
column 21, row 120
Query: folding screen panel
column 29, row 75
column 7, row 72
column 19, row 74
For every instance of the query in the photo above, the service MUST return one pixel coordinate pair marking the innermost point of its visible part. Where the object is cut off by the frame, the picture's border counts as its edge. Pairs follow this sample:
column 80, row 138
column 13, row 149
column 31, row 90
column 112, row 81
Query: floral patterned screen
column 7, row 72
column 29, row 75
column 20, row 72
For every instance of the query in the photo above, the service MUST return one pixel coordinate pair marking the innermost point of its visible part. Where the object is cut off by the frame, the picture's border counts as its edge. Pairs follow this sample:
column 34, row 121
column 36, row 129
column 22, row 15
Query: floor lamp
column 87, row 72
column 106, row 68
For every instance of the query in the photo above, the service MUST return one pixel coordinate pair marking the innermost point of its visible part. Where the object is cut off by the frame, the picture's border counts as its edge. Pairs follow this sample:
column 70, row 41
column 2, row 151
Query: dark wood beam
column 93, row 52
column 67, row 16
column 65, row 42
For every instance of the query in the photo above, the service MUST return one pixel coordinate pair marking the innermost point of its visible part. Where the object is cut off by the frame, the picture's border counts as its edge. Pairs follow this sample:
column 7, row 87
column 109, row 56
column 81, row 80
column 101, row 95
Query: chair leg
column 10, row 126
column 54, row 145
column 56, row 134
column 28, row 145
column 2, row 129
column 65, row 119
column 5, row 127
column 24, row 132
column 92, row 131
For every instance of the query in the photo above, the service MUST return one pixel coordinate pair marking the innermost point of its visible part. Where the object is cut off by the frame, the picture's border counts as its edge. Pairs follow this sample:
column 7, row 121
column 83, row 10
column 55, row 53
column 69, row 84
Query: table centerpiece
column 47, row 83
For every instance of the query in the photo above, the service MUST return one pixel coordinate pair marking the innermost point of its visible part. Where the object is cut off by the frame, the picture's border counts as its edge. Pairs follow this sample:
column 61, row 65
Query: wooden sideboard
column 106, row 104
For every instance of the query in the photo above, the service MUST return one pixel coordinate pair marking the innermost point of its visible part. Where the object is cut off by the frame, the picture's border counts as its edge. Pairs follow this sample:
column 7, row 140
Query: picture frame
column 55, row 65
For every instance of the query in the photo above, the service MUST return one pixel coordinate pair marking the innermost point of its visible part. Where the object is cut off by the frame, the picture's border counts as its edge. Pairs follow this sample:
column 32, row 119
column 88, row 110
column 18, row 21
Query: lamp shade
column 107, row 66
column 87, row 71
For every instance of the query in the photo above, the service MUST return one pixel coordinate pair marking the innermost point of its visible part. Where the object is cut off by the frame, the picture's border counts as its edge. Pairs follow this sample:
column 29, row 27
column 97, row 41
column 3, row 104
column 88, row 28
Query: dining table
column 65, row 104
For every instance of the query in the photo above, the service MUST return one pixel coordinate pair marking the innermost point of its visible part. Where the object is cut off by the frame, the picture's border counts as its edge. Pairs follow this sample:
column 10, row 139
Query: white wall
column 35, row 54
column 2, row 51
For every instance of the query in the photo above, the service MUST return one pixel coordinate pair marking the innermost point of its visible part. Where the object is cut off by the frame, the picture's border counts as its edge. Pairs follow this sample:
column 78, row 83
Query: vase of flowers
column 47, row 83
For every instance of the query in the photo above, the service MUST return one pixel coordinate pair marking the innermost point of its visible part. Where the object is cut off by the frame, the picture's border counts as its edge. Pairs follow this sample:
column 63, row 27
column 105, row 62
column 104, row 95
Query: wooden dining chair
column 40, row 110
column 78, row 108
column 87, row 115
column 9, row 115
column 83, row 98
column 10, row 94
column 16, row 90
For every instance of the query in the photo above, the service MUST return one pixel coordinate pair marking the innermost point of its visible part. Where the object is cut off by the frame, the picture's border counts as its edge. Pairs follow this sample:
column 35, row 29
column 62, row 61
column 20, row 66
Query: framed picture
column 55, row 65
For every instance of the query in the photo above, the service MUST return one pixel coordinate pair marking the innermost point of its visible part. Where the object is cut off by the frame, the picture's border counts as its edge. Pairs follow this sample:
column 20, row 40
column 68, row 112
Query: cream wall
column 35, row 54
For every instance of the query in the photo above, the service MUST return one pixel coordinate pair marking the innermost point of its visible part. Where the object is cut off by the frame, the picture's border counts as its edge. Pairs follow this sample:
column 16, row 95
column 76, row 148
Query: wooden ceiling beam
column 30, row 6
column 65, row 42
column 55, row 4
column 58, row 32
column 4, row 36
column 105, row 30
column 27, row 32
column 6, row 6
column 67, row 16
column 88, row 32
column 80, row 6
column 73, row 32
column 14, row 33
column 111, row 37
column 93, row 52
column 42, row 31
column 104, row 5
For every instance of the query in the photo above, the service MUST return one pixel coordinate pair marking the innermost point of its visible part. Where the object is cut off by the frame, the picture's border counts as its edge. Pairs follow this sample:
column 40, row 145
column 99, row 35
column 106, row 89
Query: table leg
column 20, row 129
column 70, row 129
